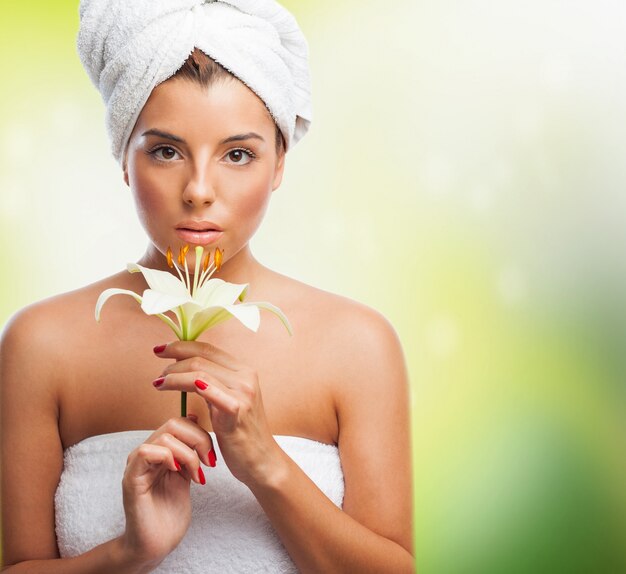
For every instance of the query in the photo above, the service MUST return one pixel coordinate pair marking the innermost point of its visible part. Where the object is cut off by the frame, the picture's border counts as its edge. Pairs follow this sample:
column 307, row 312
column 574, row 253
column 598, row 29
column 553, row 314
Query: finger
column 201, row 364
column 183, row 454
column 218, row 396
column 189, row 433
column 185, row 349
column 212, row 390
column 148, row 456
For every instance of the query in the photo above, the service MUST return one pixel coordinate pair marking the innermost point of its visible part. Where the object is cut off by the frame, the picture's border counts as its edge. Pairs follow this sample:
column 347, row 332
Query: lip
column 199, row 232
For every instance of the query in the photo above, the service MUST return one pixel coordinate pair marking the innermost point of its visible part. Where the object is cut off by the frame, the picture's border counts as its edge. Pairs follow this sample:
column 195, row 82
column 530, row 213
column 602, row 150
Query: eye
column 240, row 156
column 164, row 153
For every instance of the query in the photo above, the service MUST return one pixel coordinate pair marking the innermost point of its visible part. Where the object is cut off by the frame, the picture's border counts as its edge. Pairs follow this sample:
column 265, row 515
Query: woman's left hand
column 233, row 397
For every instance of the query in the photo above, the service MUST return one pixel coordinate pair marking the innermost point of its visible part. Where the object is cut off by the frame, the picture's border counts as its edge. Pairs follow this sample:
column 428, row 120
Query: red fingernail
column 159, row 349
column 201, row 385
column 176, row 464
column 212, row 458
column 159, row 382
column 201, row 475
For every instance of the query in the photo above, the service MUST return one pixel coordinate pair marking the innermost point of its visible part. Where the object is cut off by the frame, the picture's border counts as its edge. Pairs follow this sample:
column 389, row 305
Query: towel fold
column 130, row 46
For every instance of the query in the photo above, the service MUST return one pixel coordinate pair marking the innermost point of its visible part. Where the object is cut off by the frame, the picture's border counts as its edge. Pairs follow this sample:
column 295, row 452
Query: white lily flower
column 199, row 302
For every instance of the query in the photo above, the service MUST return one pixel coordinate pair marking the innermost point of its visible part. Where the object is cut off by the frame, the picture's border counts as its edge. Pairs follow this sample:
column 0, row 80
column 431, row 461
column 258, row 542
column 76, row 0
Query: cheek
column 256, row 203
column 149, row 200
column 251, row 205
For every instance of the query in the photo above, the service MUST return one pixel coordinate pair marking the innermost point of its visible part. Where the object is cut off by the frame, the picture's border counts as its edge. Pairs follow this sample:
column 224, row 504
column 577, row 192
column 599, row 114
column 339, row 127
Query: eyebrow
column 162, row 134
column 242, row 137
column 235, row 138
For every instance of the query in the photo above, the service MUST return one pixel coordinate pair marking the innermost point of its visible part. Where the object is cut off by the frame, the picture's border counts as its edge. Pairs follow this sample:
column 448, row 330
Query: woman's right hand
column 156, row 489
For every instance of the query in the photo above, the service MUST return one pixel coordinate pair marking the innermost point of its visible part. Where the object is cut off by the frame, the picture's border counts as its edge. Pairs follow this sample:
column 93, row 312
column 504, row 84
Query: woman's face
column 202, row 164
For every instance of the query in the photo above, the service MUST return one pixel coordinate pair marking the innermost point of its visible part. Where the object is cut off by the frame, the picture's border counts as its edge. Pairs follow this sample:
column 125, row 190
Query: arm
column 32, row 460
column 104, row 559
column 373, row 532
column 32, row 455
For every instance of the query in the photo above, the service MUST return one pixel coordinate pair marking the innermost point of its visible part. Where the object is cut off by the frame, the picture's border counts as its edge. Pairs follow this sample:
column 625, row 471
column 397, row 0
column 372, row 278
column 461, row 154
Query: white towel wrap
column 130, row 46
column 229, row 532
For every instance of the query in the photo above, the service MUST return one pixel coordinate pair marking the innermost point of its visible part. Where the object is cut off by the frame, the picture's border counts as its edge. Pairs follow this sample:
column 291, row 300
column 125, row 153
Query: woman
column 246, row 482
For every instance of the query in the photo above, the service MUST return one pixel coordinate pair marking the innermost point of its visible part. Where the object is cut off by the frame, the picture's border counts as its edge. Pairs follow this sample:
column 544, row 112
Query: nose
column 199, row 189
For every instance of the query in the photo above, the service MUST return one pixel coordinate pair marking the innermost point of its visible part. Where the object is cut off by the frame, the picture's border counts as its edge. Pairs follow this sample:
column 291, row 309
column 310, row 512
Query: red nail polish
column 201, row 385
column 212, row 458
column 159, row 349
column 201, row 475
column 176, row 464
column 159, row 382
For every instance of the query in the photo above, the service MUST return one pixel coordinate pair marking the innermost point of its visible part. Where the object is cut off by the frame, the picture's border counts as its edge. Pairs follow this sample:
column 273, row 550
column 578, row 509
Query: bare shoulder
column 355, row 339
column 61, row 310
column 40, row 332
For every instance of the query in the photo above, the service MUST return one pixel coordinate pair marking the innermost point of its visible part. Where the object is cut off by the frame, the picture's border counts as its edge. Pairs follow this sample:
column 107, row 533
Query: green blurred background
column 465, row 175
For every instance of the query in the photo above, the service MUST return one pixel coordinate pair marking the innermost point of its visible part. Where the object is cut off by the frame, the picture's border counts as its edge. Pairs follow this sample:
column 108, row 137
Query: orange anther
column 218, row 258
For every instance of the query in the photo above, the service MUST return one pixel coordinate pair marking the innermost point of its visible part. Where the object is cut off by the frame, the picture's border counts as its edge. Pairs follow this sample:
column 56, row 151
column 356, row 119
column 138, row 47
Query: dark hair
column 205, row 71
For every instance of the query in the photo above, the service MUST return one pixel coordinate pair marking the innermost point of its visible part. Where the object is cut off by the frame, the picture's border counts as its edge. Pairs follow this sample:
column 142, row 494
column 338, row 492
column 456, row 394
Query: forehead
column 226, row 105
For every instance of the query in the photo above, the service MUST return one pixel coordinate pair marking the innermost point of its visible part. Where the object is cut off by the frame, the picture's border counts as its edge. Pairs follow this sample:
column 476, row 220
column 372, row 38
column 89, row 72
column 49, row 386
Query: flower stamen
column 170, row 259
column 196, row 270
column 206, row 274
column 182, row 261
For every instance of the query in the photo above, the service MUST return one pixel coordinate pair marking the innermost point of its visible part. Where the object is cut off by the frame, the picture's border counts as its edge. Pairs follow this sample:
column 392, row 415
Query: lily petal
column 162, row 281
column 170, row 323
column 273, row 309
column 207, row 319
column 158, row 301
column 108, row 293
column 249, row 316
column 218, row 292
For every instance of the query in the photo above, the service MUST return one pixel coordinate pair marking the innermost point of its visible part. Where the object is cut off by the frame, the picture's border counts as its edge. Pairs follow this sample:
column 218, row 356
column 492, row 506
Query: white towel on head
column 130, row 46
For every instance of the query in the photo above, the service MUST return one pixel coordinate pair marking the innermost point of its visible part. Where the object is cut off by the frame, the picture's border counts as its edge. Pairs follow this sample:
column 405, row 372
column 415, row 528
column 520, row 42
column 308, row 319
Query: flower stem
column 183, row 404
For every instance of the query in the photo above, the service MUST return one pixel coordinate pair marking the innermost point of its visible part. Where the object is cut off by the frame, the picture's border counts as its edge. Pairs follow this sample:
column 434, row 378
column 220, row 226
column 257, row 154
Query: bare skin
column 339, row 380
